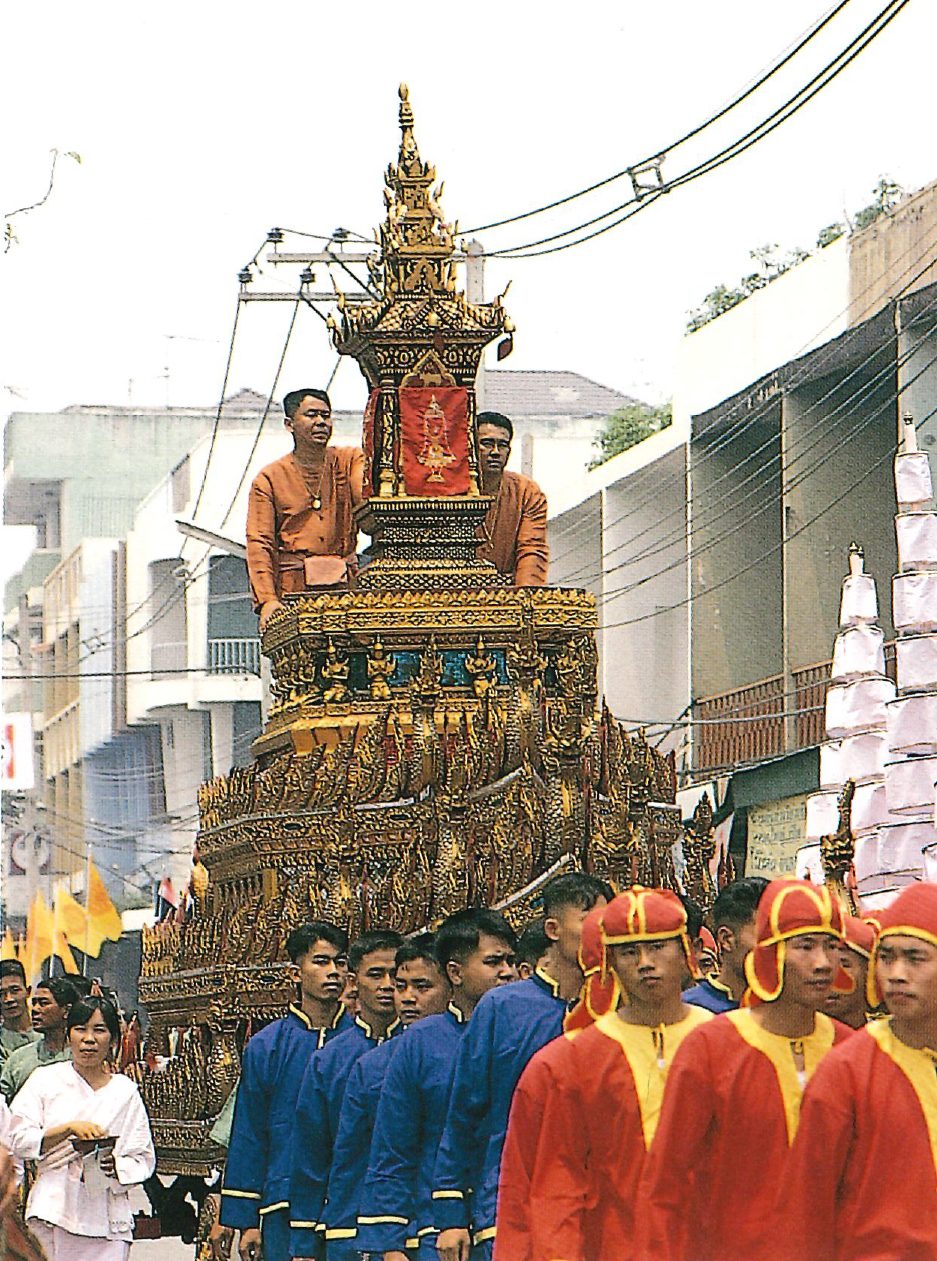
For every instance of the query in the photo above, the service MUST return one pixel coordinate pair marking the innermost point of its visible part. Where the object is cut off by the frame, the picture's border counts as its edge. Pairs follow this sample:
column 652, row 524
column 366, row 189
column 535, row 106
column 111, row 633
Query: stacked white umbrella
column 910, row 836
column 856, row 737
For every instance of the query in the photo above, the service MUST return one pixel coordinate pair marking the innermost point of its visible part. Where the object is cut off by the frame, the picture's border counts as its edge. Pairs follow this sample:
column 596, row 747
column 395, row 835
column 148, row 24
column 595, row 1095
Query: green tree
column 885, row 196
column 627, row 427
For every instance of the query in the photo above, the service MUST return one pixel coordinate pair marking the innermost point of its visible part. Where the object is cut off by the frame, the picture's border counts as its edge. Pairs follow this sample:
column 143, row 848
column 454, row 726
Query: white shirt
column 5, row 1124
column 55, row 1095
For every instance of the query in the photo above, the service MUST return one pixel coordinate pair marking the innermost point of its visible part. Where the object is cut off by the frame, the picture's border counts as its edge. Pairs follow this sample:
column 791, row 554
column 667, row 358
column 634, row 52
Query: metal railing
column 234, row 656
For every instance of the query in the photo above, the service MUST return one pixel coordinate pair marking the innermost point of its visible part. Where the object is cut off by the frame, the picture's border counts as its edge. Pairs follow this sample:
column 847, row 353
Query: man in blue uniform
column 421, row 989
column 255, row 1191
column 475, row 948
column 733, row 915
column 319, row 1103
column 508, row 1028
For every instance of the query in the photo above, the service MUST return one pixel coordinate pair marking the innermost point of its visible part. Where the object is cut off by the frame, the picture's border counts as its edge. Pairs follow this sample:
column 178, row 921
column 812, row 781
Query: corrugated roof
column 546, row 393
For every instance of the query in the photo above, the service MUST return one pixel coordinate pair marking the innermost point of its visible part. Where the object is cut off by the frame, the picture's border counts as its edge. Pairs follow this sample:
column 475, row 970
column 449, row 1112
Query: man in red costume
column 734, row 1091
column 862, row 1182
column 858, row 939
column 586, row 1108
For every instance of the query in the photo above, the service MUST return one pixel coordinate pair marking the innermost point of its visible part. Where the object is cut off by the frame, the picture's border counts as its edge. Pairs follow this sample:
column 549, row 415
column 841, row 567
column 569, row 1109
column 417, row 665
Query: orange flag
column 38, row 937
column 104, row 922
column 7, row 949
column 61, row 947
column 72, row 920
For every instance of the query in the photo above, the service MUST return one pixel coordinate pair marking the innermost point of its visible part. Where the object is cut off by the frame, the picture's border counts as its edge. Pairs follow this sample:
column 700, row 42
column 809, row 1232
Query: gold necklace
column 316, row 498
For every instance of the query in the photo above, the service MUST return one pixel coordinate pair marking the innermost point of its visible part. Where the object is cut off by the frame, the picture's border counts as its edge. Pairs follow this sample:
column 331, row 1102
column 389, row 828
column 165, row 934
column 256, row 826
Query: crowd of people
column 578, row 1093
column 610, row 1105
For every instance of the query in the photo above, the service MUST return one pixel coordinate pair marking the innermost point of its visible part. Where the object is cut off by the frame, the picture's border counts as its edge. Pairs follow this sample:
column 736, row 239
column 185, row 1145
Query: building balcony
column 234, row 656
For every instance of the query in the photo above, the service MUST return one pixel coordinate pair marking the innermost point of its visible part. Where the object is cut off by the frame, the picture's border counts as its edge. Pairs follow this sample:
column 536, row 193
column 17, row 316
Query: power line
column 633, row 206
column 771, row 550
column 749, row 417
column 846, row 409
column 659, row 154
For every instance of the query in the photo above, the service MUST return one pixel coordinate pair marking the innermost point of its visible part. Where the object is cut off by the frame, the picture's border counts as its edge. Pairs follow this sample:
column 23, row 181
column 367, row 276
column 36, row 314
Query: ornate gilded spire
column 416, row 242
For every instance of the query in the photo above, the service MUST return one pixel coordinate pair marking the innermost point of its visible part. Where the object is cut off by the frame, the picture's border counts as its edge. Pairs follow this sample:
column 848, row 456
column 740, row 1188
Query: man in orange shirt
column 301, row 509
column 514, row 533
column 862, row 1180
column 734, row 1089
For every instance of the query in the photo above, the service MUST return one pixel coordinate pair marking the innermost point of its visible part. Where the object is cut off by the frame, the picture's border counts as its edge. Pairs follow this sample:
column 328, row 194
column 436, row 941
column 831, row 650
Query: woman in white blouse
column 79, row 1206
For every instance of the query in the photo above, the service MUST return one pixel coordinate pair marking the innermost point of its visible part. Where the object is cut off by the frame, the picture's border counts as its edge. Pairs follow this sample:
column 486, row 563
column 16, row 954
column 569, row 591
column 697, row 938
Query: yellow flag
column 61, row 947
column 104, row 923
column 7, row 949
column 38, row 936
column 73, row 921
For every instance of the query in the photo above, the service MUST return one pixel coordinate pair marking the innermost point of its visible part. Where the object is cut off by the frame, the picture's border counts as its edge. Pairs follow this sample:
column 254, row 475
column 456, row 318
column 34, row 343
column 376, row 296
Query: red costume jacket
column 712, row 1176
column 862, row 1184
column 583, row 1115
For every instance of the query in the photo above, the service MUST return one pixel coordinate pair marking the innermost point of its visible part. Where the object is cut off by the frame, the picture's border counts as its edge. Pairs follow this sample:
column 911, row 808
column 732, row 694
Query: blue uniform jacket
column 352, row 1148
column 257, row 1171
column 315, row 1125
column 710, row 996
column 508, row 1027
column 396, row 1199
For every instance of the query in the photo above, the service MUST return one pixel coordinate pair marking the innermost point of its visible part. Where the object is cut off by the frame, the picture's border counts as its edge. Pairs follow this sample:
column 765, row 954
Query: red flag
column 368, row 441
column 434, row 440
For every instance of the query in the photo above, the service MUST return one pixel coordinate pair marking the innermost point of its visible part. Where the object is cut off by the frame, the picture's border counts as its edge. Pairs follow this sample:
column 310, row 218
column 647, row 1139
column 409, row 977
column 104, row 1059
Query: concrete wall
column 896, row 254
column 736, row 559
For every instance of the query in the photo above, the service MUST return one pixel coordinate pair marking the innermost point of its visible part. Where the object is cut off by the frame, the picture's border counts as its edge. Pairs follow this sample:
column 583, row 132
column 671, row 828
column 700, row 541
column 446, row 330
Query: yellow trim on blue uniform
column 488, row 1233
column 448, row 1195
column 271, row 1208
column 241, row 1195
column 371, row 1221
column 341, row 1232
column 304, row 1226
column 549, row 981
column 455, row 1011
column 300, row 1015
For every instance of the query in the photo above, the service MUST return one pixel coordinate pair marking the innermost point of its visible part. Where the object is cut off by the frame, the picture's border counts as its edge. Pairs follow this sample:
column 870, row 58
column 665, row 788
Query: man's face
column 311, row 423
column 906, row 969
column 14, row 997
column 849, row 1007
column 322, row 972
column 810, row 964
column 47, row 1015
column 650, row 973
column 565, row 929
column 375, row 977
column 735, row 942
column 494, row 448
column 491, row 963
column 421, row 990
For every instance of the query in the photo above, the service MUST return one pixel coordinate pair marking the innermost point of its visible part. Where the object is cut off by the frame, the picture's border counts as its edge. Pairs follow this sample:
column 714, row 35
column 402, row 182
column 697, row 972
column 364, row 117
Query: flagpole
column 84, row 953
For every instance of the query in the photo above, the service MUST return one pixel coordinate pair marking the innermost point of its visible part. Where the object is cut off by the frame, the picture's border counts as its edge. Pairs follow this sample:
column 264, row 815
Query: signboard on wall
column 16, row 742
column 776, row 831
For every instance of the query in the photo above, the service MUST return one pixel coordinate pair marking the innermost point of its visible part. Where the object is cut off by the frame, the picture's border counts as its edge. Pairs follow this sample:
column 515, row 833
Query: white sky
column 202, row 125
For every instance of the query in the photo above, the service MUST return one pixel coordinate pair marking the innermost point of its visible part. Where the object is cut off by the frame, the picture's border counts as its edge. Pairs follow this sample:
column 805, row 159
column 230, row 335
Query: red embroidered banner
column 368, row 442
column 434, row 440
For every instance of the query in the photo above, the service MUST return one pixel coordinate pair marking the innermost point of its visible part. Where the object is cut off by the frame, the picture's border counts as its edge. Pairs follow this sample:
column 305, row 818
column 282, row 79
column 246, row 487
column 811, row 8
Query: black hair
column 81, row 985
column 367, row 943
column 497, row 419
column 459, row 934
column 292, row 400
column 418, row 947
column 302, row 939
column 578, row 889
column 694, row 916
column 81, row 1012
column 12, row 967
column 532, row 943
column 62, row 990
column 737, row 903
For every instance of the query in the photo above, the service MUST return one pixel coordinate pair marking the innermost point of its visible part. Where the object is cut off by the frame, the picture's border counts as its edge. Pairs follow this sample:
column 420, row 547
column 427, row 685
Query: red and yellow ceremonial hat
column 600, row 991
column 640, row 914
column 912, row 914
column 859, row 935
column 786, row 909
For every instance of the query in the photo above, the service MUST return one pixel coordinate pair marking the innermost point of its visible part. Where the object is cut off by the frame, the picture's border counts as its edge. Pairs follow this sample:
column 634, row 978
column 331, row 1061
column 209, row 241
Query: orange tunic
column 862, row 1184
column 514, row 532
column 582, row 1117
column 718, row 1161
column 283, row 527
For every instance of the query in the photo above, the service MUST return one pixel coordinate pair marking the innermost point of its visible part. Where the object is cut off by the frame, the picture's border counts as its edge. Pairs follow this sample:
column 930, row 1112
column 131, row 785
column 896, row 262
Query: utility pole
column 475, row 293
